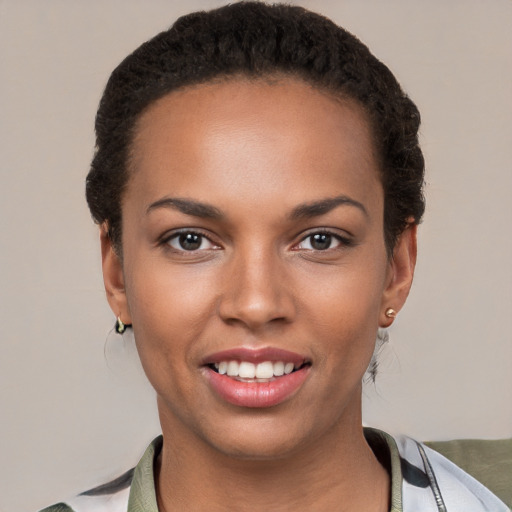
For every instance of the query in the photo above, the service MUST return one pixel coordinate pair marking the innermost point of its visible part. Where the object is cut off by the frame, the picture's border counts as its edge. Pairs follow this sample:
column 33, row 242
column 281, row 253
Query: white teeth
column 247, row 370
column 265, row 370
column 279, row 369
column 232, row 370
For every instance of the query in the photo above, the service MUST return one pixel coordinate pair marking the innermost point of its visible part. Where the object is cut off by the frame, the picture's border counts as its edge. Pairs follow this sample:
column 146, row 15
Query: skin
column 255, row 151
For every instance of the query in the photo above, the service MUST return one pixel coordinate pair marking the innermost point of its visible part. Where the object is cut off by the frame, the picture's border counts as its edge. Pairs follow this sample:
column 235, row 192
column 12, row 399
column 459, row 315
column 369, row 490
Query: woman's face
column 253, row 243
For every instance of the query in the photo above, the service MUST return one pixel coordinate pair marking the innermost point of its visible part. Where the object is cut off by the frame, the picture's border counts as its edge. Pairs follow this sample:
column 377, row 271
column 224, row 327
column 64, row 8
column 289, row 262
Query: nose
column 256, row 291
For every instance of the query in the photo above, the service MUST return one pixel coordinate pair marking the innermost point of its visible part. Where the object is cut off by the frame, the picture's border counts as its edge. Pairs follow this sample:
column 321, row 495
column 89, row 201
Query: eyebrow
column 323, row 206
column 207, row 211
column 188, row 207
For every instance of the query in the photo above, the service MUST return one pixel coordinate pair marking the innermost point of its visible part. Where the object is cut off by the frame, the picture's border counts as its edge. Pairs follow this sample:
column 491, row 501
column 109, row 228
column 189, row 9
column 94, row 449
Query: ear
column 113, row 277
column 400, row 275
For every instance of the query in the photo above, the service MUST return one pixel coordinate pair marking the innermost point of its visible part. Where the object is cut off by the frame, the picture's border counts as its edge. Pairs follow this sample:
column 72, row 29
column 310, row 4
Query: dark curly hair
column 254, row 39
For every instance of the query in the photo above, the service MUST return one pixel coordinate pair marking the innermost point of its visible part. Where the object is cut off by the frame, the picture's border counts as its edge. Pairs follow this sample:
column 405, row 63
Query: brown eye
column 320, row 242
column 323, row 241
column 190, row 241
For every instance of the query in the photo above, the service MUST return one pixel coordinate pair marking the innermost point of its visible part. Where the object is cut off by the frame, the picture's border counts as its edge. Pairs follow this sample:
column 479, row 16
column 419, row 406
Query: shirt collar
column 143, row 495
column 386, row 450
column 142, row 492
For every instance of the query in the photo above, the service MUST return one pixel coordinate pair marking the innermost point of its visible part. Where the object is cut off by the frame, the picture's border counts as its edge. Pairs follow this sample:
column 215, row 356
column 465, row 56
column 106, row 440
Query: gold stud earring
column 390, row 313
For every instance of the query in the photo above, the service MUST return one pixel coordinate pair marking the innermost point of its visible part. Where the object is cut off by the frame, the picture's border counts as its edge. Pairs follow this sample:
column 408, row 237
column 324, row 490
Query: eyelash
column 342, row 240
column 166, row 241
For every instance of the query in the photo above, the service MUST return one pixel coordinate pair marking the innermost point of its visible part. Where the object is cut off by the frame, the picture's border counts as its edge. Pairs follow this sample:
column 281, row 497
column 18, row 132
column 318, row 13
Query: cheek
column 344, row 310
column 351, row 294
column 161, row 297
column 171, row 310
column 168, row 314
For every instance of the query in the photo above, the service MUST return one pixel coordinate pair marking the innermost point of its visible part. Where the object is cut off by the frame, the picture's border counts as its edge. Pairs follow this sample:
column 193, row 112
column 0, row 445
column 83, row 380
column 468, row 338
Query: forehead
column 283, row 133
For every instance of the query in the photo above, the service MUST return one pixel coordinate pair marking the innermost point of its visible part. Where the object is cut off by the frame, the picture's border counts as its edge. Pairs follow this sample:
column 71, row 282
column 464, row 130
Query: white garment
column 422, row 480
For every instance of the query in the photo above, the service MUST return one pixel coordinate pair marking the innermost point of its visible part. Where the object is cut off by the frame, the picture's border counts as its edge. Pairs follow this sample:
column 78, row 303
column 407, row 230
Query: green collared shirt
column 421, row 480
column 142, row 495
column 143, row 498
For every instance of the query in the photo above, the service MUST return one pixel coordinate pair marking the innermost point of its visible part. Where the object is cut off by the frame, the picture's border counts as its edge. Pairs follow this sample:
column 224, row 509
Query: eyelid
column 345, row 240
column 175, row 233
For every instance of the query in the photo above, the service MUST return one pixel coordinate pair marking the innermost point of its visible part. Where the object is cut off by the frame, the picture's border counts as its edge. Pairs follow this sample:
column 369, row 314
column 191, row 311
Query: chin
column 258, row 448
column 261, row 439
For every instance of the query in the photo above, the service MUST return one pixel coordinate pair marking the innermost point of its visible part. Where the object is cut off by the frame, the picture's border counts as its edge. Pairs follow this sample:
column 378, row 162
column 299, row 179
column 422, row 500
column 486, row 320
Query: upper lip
column 255, row 356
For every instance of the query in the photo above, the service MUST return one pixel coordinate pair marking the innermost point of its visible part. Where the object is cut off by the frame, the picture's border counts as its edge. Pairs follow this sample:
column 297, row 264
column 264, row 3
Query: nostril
column 257, row 292
column 254, row 315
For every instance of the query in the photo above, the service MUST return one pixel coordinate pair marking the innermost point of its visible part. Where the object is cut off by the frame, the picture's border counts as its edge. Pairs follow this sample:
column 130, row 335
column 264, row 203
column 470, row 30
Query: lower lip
column 256, row 394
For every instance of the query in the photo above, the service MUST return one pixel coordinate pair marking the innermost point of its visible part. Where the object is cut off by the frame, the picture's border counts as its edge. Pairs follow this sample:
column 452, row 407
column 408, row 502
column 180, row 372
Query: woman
column 258, row 185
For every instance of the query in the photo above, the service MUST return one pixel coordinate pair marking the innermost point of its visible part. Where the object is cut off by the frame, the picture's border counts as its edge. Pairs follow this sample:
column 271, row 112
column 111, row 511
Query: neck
column 337, row 472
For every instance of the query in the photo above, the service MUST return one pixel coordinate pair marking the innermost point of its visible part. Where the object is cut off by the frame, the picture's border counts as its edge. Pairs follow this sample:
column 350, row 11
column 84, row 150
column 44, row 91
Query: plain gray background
column 75, row 407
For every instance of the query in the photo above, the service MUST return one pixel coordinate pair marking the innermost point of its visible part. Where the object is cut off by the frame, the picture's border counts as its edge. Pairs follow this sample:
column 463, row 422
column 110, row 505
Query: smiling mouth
column 256, row 378
column 266, row 371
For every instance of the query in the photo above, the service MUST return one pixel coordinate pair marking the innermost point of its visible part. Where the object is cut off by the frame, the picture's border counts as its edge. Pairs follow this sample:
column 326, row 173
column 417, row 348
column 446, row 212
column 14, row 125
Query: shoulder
column 489, row 461
column 59, row 507
column 112, row 497
column 429, row 477
column 133, row 490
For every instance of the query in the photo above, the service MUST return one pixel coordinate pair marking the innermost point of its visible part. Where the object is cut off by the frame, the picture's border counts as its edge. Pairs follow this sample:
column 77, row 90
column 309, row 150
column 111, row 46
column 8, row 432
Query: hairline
column 269, row 77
